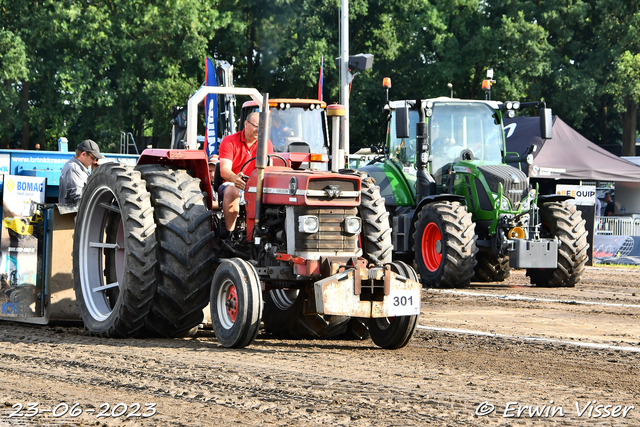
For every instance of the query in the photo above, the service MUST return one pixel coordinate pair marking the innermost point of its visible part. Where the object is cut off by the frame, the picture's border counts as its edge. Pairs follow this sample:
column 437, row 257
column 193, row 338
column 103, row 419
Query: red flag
column 320, row 80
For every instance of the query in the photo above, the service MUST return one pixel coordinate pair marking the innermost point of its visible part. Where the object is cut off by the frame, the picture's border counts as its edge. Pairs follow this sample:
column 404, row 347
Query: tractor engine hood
column 286, row 187
column 515, row 183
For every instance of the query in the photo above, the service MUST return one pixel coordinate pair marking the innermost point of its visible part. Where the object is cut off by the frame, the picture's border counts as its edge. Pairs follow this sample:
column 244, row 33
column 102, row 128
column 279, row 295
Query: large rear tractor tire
column 114, row 252
column 564, row 221
column 184, row 234
column 283, row 316
column 491, row 267
column 395, row 332
column 445, row 245
column 235, row 303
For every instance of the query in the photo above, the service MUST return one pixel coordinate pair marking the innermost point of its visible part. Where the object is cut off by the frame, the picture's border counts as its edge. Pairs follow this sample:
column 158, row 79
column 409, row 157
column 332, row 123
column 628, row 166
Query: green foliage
column 13, row 60
column 96, row 69
column 93, row 69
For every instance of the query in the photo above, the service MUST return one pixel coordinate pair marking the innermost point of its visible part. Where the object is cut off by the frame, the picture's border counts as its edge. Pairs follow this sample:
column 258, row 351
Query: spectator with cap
column 75, row 172
column 213, row 164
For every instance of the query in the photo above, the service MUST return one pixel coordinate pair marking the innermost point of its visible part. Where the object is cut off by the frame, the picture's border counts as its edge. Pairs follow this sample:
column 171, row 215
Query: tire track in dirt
column 439, row 379
column 285, row 393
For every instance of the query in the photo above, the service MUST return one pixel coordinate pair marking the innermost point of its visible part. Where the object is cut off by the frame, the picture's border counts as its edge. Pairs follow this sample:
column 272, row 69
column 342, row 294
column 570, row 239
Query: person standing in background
column 75, row 172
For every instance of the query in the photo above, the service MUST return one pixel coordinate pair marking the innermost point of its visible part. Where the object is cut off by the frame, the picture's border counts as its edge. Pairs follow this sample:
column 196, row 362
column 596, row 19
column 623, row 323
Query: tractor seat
column 298, row 147
column 217, row 178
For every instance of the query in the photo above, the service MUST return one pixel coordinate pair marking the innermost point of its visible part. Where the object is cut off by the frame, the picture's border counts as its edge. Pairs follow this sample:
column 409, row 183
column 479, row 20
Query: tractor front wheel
column 445, row 245
column 235, row 303
column 284, row 317
column 564, row 221
column 395, row 332
column 491, row 267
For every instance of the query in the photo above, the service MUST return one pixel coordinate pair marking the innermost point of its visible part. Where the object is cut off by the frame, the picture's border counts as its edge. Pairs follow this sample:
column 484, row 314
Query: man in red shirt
column 234, row 151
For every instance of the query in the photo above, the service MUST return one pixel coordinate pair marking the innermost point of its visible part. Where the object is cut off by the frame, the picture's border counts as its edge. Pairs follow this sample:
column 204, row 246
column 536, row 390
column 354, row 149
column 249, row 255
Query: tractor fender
column 393, row 183
column 438, row 198
column 193, row 160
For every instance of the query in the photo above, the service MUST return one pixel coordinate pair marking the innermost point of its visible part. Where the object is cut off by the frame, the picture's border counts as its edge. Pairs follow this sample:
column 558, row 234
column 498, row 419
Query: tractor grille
column 514, row 182
column 331, row 235
column 347, row 189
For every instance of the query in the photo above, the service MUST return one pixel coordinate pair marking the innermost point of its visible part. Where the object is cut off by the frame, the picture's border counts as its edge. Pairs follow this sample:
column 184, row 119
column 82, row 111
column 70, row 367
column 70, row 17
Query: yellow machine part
column 20, row 225
column 516, row 233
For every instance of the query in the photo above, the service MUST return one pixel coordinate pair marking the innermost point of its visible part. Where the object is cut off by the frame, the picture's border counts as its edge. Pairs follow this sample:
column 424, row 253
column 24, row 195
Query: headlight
column 525, row 204
column 504, row 204
column 529, row 159
column 352, row 224
column 516, row 105
column 509, row 105
column 308, row 224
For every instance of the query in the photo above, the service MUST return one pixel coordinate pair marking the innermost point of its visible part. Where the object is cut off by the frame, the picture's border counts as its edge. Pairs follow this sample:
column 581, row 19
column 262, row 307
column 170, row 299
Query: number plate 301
column 403, row 303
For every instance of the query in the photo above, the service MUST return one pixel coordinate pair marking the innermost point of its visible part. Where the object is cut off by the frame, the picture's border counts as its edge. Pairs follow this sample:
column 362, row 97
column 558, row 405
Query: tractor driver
column 234, row 151
column 279, row 132
column 442, row 141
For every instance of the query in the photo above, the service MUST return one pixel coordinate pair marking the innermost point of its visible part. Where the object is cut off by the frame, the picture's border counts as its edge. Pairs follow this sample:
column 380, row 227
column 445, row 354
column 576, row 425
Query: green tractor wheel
column 491, row 267
column 564, row 221
column 445, row 245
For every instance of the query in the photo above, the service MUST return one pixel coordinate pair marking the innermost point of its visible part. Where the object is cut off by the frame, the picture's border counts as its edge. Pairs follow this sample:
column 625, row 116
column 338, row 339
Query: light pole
column 344, row 72
column 450, row 85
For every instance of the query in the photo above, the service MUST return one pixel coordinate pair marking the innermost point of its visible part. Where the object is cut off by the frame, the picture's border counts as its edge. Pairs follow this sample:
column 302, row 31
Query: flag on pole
column 211, row 108
column 320, row 80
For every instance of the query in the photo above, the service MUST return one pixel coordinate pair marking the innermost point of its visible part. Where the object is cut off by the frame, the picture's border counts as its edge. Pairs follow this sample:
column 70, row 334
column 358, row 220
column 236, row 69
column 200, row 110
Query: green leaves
column 13, row 58
column 99, row 68
column 92, row 69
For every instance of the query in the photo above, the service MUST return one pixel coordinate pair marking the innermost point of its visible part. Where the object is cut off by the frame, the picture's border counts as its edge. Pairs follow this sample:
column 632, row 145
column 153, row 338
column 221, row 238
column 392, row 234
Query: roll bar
column 192, row 107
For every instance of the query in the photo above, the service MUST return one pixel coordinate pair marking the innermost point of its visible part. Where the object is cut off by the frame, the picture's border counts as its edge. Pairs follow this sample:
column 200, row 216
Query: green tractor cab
column 459, row 211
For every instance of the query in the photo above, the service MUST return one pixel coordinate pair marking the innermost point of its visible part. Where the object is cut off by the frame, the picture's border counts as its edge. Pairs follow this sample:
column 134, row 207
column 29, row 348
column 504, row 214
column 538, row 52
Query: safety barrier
column 618, row 226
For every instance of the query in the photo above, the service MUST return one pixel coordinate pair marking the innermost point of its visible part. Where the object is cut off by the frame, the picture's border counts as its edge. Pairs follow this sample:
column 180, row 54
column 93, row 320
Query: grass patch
column 610, row 265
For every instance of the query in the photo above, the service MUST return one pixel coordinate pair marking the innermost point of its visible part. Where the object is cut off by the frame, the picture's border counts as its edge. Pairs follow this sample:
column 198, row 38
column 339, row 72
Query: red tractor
column 310, row 251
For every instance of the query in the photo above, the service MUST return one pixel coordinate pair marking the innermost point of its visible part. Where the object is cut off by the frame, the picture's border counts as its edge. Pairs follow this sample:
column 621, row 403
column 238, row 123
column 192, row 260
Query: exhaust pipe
column 261, row 156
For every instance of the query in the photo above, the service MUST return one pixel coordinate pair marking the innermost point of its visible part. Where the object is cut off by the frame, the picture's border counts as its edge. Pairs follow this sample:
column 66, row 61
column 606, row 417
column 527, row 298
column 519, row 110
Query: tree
column 626, row 91
column 98, row 68
column 13, row 70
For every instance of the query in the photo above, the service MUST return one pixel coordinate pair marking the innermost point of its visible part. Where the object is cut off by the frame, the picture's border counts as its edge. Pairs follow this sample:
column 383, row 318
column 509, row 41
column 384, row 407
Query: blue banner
column 211, row 107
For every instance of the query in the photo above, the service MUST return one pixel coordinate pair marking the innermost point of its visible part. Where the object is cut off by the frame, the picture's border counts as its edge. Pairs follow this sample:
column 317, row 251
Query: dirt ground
column 447, row 377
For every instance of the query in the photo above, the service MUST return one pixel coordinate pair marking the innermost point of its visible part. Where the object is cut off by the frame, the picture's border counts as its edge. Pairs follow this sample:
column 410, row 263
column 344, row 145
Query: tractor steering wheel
column 466, row 154
column 268, row 156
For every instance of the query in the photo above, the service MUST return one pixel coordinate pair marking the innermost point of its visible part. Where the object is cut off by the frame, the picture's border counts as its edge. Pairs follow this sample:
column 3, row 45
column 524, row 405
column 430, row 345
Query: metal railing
column 618, row 226
column 127, row 141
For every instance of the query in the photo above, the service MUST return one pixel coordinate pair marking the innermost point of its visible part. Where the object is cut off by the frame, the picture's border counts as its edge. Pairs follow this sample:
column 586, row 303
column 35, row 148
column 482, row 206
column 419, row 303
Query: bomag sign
column 23, row 186
column 21, row 241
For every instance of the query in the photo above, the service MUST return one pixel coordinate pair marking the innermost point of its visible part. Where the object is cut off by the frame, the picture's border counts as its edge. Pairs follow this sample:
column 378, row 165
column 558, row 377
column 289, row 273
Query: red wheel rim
column 432, row 247
column 232, row 303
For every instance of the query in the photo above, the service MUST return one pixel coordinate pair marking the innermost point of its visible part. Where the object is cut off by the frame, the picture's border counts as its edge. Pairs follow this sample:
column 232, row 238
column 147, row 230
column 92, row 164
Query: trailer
column 41, row 290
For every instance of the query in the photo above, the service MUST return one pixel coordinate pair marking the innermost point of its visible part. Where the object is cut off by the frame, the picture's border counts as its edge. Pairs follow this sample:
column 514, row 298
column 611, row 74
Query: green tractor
column 459, row 210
